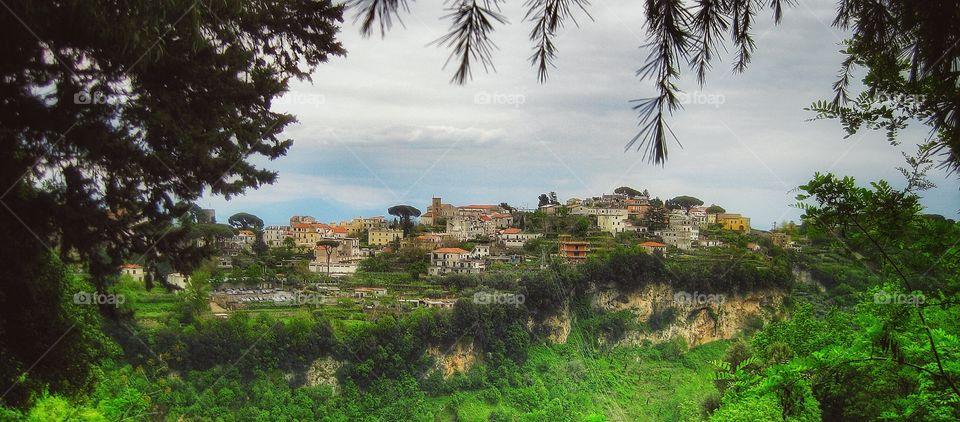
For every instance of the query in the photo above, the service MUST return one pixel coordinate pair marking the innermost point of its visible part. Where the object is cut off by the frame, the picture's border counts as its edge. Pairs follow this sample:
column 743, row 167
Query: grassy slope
column 622, row 384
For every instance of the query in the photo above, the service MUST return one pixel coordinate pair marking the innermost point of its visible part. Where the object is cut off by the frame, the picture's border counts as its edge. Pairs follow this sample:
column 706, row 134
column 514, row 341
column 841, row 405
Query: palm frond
column 548, row 16
column 370, row 12
column 709, row 23
column 469, row 36
column 668, row 23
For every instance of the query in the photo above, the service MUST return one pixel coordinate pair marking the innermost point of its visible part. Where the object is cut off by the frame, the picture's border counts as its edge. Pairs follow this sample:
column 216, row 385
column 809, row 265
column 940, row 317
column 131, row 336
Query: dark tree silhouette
column 715, row 209
column 115, row 117
column 684, row 202
column 404, row 213
column 542, row 200
column 626, row 190
column 242, row 220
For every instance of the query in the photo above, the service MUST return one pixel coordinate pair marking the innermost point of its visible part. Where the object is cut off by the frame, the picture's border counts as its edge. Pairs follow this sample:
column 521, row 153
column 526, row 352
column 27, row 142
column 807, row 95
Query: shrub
column 661, row 318
column 672, row 349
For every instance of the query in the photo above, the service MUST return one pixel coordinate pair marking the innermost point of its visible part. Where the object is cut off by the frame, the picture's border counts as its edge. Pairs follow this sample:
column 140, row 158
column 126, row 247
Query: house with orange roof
column 454, row 261
column 339, row 232
column 306, row 235
column 245, row 237
column 513, row 237
column 654, row 247
column 134, row 271
column 501, row 220
column 478, row 210
column 430, row 238
column 573, row 251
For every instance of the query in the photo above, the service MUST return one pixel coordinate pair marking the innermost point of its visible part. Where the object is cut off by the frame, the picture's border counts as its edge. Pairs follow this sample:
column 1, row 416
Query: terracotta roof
column 450, row 250
column 339, row 229
column 653, row 244
column 511, row 230
column 131, row 266
column 302, row 225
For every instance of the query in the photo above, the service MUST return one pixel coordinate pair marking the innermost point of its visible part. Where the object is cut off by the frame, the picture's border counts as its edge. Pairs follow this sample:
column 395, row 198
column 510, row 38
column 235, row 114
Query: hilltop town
column 396, row 258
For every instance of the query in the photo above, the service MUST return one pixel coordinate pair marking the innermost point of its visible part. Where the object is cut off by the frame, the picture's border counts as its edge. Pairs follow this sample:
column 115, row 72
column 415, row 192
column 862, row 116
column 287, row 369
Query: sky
column 383, row 125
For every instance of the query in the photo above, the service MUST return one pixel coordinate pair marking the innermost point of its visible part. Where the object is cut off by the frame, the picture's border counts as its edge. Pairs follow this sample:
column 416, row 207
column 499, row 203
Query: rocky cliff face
column 696, row 317
column 323, row 371
column 458, row 358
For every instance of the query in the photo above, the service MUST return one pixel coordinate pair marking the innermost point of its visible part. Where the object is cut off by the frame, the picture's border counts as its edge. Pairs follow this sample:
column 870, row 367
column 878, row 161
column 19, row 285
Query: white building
column 515, row 238
column 337, row 269
column 682, row 231
column 613, row 222
column 585, row 210
column 178, row 280
column 455, row 260
column 134, row 271
column 464, row 228
column 480, row 252
column 275, row 235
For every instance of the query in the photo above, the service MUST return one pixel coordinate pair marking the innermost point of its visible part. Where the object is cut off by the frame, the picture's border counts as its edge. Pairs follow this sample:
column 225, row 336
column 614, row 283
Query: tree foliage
column 242, row 220
column 683, row 202
column 116, row 116
column 406, row 213
column 715, row 209
column 626, row 190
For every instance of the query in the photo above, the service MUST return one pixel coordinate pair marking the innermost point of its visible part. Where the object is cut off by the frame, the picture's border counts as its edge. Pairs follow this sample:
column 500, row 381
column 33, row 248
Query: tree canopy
column 242, row 220
column 626, row 190
column 684, row 202
column 405, row 213
column 116, row 116
column 715, row 209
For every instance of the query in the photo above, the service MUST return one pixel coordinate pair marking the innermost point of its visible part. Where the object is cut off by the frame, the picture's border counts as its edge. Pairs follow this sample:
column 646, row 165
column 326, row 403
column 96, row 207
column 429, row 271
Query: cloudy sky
column 383, row 126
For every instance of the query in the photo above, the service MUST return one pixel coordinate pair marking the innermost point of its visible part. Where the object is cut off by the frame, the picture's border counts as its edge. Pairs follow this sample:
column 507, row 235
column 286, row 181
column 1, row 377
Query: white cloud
column 294, row 187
